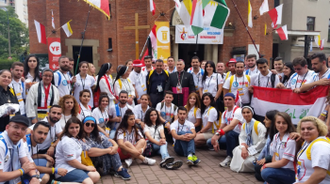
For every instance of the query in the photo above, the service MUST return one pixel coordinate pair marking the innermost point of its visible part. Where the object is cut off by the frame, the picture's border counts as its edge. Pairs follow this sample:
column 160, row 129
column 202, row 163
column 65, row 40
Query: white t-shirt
column 235, row 113
column 319, row 157
column 130, row 137
column 296, row 81
column 191, row 115
column 325, row 75
column 85, row 111
column 65, row 119
column 240, row 84
column 285, row 148
column 19, row 89
column 152, row 132
column 63, row 82
column 197, row 76
column 210, row 115
column 210, row 83
column 66, row 150
column 264, row 81
column 51, row 137
column 87, row 83
column 5, row 159
column 167, row 112
column 101, row 117
column 138, row 112
column 139, row 80
column 185, row 127
column 252, row 72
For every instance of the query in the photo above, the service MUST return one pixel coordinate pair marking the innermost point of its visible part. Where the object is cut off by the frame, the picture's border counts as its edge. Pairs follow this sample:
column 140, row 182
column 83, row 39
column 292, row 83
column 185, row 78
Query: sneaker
column 165, row 161
column 123, row 174
column 196, row 160
column 149, row 161
column 190, row 160
column 129, row 162
column 174, row 165
column 55, row 182
column 225, row 162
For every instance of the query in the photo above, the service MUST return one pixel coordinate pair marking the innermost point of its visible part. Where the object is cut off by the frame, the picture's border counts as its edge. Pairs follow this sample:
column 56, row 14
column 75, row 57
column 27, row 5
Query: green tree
column 19, row 34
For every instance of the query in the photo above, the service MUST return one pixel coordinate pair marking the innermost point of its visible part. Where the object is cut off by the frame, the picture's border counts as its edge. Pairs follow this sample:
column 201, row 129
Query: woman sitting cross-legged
column 130, row 141
column 154, row 132
column 107, row 158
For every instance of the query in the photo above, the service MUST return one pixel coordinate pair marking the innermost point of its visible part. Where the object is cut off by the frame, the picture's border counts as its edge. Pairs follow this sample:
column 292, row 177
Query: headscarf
column 121, row 72
column 104, row 68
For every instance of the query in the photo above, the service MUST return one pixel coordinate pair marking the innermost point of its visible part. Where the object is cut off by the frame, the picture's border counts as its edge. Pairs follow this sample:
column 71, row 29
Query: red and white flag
column 283, row 32
column 101, row 5
column 297, row 105
column 276, row 15
column 322, row 44
column 151, row 45
column 41, row 33
column 177, row 5
column 264, row 7
column 152, row 6
column 53, row 21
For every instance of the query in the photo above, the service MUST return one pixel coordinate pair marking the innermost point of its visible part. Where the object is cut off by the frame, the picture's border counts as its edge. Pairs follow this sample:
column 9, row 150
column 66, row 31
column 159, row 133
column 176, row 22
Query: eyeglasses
column 89, row 124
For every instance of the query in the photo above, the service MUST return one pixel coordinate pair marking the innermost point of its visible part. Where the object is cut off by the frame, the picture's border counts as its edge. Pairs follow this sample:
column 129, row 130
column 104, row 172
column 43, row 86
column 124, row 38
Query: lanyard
column 302, row 80
column 83, row 83
column 259, row 80
column 238, row 83
column 170, row 111
column 102, row 114
column 177, row 130
column 303, row 150
column 180, row 83
column 46, row 93
column 68, row 81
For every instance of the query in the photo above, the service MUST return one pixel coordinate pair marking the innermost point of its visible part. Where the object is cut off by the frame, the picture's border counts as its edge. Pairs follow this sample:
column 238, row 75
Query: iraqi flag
column 296, row 105
column 151, row 44
column 276, row 15
column 41, row 32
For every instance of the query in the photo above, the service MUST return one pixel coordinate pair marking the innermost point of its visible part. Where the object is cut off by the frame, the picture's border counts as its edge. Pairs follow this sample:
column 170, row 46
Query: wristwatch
column 36, row 176
column 217, row 133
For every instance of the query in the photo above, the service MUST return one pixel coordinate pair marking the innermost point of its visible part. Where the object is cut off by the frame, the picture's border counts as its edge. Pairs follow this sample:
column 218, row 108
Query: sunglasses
column 91, row 124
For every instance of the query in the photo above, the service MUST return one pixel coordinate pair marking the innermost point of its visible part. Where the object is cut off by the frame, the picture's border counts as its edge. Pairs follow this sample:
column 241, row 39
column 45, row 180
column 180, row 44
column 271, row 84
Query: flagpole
column 196, row 45
column 144, row 46
column 82, row 40
column 247, row 30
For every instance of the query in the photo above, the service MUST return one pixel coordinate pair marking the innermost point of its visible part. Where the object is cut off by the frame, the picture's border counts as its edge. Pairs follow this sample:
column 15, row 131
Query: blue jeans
column 231, row 142
column 278, row 175
column 112, row 134
column 221, row 141
column 184, row 148
column 162, row 150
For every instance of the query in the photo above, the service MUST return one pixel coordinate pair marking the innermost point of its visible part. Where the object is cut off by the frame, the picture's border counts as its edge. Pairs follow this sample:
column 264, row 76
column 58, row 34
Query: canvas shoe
column 196, row 160
column 174, row 165
column 190, row 160
column 165, row 161
column 225, row 162
column 129, row 162
column 149, row 161
column 123, row 174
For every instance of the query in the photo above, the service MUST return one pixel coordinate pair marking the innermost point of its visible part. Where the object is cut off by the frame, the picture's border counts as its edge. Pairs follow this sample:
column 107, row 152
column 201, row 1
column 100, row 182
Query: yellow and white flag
column 67, row 29
column 250, row 23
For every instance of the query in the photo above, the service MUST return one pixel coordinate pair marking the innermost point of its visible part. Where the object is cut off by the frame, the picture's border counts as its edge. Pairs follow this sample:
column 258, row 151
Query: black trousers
column 156, row 98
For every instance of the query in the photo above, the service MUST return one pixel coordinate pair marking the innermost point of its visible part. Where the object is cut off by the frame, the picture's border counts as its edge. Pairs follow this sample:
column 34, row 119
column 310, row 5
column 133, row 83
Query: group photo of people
column 66, row 127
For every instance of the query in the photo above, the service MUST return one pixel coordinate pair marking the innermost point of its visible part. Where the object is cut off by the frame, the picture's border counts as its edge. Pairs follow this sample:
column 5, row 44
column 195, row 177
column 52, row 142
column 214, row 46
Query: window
column 310, row 23
column 329, row 31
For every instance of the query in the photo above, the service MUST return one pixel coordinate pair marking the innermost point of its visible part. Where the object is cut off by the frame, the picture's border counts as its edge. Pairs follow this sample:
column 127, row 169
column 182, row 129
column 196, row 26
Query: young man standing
column 239, row 83
column 148, row 65
column 278, row 65
column 251, row 63
column 195, row 71
column 62, row 78
column 138, row 79
column 171, row 65
column 17, row 70
column 221, row 69
column 231, row 66
column 231, row 122
column 183, row 131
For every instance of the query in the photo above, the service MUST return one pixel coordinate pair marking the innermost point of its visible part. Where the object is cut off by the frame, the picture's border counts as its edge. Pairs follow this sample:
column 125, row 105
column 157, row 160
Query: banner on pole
column 163, row 40
column 54, row 52
column 210, row 35
column 296, row 105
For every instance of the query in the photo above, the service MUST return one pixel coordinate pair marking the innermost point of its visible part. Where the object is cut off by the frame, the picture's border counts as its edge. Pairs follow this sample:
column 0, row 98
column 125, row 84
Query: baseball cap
column 20, row 119
column 232, row 60
column 137, row 63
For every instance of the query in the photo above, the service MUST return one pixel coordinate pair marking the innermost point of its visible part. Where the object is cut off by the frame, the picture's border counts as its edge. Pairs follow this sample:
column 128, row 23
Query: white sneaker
column 226, row 162
column 149, row 161
column 129, row 162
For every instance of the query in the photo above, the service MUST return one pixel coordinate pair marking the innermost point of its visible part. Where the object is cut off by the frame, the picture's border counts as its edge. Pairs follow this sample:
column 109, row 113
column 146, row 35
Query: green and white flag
column 196, row 20
column 216, row 13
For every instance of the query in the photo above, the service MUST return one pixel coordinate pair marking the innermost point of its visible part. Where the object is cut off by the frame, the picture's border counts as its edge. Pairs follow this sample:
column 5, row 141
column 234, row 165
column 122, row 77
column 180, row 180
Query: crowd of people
column 58, row 127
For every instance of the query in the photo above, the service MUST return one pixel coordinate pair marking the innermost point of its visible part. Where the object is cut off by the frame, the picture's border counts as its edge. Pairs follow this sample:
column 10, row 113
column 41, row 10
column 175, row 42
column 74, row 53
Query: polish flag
column 152, row 6
column 41, row 33
column 264, row 7
column 276, row 15
column 322, row 44
column 283, row 32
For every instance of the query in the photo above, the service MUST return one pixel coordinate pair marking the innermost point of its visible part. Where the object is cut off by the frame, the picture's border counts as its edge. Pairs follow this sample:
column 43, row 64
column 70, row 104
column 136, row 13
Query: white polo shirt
column 87, row 83
column 192, row 117
column 235, row 113
column 63, row 82
column 154, row 133
column 285, row 148
column 240, row 84
column 264, row 81
column 139, row 113
column 139, row 81
column 101, row 117
column 296, row 81
column 84, row 112
column 210, row 83
column 210, row 115
column 186, row 127
column 196, row 76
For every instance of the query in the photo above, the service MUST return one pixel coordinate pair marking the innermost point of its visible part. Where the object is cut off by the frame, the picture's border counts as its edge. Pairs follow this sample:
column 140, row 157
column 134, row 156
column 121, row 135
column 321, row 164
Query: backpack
column 255, row 127
column 4, row 142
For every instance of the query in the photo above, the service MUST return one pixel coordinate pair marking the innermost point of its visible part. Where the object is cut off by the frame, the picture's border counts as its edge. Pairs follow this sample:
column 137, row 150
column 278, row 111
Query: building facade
column 109, row 41
column 20, row 7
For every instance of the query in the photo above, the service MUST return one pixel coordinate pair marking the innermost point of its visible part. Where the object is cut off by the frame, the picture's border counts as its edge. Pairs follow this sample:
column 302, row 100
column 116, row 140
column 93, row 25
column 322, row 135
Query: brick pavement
column 208, row 171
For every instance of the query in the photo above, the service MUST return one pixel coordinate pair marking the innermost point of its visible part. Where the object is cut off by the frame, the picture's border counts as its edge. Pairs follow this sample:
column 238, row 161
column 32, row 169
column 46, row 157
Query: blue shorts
column 41, row 162
column 76, row 175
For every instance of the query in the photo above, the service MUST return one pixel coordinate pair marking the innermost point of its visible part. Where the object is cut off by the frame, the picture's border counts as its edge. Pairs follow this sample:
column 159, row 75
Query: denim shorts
column 76, row 175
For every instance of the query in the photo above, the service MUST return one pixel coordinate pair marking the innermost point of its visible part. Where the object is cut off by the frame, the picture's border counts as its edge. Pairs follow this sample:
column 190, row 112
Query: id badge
column 252, row 151
column 240, row 91
column 179, row 89
column 107, row 130
column 205, row 90
column 17, row 180
column 159, row 88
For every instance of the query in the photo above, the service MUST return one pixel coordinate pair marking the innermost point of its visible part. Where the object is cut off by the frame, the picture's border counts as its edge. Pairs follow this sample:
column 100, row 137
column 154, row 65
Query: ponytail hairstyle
column 104, row 68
